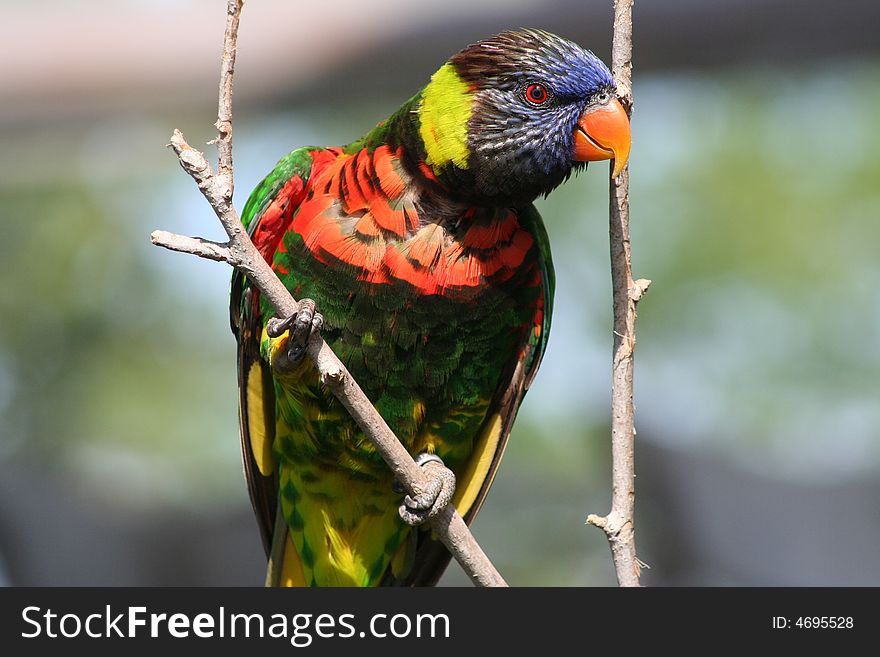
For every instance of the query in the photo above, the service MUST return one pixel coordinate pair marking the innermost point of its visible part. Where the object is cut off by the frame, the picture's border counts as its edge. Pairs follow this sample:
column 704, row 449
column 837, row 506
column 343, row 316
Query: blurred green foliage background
column 755, row 202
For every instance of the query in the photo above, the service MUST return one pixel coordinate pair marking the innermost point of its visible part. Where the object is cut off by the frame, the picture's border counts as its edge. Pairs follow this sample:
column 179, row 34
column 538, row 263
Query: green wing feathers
column 255, row 383
column 475, row 480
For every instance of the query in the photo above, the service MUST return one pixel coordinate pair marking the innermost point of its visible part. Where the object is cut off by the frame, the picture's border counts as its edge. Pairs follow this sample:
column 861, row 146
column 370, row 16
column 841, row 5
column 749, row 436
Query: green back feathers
column 295, row 163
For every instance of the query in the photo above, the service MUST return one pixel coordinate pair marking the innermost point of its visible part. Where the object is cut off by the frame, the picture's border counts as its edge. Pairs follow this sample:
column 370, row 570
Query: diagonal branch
column 241, row 253
column 618, row 524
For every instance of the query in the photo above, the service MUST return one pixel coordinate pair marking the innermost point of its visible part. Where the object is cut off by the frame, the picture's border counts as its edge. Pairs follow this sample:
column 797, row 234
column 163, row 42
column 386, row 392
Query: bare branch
column 224, row 104
column 241, row 253
column 618, row 524
column 193, row 245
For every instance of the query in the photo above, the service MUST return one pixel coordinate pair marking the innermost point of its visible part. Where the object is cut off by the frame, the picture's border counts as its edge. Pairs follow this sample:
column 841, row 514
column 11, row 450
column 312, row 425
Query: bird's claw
column 302, row 324
column 438, row 491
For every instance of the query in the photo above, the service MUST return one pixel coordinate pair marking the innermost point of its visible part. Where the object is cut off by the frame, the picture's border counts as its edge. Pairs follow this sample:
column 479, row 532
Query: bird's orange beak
column 603, row 133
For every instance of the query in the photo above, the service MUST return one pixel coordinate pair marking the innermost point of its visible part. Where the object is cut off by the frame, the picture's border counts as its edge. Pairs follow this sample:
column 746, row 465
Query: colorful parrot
column 420, row 246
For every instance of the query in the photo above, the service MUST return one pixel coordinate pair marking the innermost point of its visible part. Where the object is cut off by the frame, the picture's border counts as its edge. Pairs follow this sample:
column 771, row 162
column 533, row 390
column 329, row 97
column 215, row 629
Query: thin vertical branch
column 224, row 103
column 618, row 524
column 241, row 253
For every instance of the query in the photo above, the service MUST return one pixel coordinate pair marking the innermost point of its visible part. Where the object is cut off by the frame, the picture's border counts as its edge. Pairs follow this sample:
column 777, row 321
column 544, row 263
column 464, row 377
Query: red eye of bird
column 537, row 94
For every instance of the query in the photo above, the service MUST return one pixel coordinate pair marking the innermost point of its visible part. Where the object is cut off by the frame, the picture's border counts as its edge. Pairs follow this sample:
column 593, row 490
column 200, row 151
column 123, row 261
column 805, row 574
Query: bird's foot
column 438, row 492
column 302, row 324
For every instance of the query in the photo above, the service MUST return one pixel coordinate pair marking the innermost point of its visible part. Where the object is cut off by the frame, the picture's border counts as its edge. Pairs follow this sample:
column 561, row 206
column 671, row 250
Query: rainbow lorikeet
column 431, row 269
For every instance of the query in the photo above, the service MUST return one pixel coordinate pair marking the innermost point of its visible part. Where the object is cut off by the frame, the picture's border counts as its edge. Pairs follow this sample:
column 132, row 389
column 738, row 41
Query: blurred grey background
column 755, row 201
